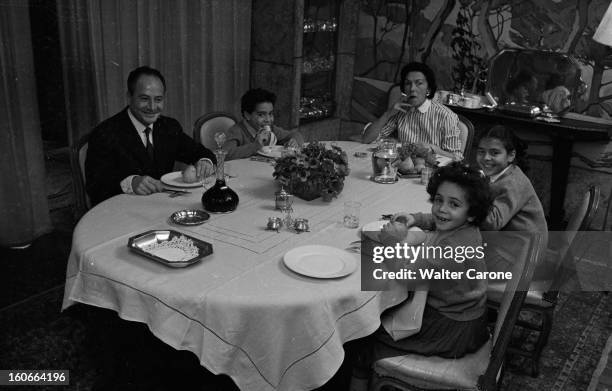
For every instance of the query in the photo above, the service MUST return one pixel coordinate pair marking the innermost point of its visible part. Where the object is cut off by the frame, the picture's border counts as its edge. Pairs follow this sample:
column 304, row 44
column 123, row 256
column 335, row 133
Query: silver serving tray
column 139, row 242
column 189, row 217
column 520, row 109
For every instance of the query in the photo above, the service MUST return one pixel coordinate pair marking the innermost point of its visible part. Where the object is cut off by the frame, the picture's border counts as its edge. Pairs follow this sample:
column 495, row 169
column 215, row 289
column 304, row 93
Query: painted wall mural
column 458, row 37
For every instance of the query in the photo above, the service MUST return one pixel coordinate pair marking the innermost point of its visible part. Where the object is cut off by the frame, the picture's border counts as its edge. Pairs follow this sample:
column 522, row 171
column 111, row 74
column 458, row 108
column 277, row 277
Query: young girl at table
column 516, row 207
column 454, row 319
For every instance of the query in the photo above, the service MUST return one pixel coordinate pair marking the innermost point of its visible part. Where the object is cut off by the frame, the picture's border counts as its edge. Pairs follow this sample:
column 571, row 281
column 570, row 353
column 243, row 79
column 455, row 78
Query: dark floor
column 34, row 334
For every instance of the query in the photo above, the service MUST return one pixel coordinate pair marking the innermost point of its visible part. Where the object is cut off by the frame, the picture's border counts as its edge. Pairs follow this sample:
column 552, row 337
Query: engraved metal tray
column 141, row 242
column 189, row 217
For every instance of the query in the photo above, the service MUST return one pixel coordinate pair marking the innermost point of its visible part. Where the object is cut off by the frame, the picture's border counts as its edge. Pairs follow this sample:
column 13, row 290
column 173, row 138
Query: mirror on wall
column 537, row 78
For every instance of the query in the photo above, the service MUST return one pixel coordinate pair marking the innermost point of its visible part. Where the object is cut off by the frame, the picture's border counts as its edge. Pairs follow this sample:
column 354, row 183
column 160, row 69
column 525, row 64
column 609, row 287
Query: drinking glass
column 351, row 214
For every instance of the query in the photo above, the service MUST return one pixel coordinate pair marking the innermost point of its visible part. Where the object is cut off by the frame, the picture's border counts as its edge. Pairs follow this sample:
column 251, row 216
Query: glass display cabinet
column 303, row 51
column 319, row 47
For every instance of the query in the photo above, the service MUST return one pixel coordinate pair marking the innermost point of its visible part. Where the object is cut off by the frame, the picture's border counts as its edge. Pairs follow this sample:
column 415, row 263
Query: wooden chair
column 78, row 154
column 207, row 125
column 466, row 135
column 542, row 296
column 607, row 226
column 481, row 370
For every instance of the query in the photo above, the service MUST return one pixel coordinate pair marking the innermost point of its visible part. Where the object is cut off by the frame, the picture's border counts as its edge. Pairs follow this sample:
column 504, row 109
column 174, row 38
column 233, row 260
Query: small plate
column 170, row 248
column 176, row 179
column 320, row 261
column 274, row 151
column 189, row 217
column 385, row 183
column 372, row 229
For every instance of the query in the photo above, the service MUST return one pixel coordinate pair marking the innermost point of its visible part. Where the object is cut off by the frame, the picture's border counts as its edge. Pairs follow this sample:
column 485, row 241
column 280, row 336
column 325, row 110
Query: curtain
column 23, row 197
column 202, row 47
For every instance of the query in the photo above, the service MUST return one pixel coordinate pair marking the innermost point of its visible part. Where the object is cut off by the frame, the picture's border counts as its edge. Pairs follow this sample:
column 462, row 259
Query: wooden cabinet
column 303, row 50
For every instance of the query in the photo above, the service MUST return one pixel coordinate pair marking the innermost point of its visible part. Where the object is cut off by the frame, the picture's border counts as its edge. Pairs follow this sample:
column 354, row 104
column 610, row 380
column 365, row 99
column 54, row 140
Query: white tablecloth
column 240, row 310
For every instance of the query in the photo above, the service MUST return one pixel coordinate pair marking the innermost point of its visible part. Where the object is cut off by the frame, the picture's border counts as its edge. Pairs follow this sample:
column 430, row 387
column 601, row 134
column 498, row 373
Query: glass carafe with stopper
column 384, row 162
column 220, row 198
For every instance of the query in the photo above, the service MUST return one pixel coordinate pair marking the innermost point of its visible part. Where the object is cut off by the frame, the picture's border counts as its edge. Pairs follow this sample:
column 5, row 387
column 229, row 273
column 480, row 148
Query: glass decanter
column 384, row 162
column 220, row 198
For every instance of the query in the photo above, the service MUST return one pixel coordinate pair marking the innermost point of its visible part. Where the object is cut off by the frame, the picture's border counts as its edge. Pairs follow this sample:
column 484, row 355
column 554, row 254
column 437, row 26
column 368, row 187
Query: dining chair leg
column 547, row 320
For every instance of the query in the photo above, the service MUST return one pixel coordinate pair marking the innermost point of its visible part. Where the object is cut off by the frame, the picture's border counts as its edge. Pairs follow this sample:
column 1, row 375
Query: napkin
column 405, row 319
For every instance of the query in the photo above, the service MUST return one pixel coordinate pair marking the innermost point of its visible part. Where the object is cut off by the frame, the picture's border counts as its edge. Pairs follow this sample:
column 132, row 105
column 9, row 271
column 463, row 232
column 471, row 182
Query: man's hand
column 145, row 185
column 204, row 169
column 405, row 218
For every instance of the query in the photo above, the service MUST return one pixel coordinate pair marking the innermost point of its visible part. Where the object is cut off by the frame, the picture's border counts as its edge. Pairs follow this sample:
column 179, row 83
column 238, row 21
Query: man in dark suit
column 129, row 152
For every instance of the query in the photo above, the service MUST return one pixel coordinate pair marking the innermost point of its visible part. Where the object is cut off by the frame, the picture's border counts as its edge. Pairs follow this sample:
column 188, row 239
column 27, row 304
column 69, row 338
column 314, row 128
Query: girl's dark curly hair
column 511, row 143
column 475, row 185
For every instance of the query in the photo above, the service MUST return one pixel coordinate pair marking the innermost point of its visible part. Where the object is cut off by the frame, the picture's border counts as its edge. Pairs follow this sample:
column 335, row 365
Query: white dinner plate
column 274, row 151
column 176, row 179
column 320, row 261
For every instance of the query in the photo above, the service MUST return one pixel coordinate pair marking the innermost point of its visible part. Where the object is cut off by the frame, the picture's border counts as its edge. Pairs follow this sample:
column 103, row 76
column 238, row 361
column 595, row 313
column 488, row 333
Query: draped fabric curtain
column 202, row 47
column 23, row 197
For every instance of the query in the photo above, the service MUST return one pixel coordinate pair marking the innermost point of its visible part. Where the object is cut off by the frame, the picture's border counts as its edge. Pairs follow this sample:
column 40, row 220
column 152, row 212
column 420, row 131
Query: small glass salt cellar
column 301, row 225
column 283, row 200
column 274, row 223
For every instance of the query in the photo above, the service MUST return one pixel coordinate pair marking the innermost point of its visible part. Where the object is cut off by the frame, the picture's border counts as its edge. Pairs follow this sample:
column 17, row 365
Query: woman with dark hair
column 416, row 118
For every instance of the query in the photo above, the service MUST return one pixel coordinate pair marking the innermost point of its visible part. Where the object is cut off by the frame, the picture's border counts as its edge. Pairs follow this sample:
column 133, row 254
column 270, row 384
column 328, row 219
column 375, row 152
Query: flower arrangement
column 414, row 158
column 313, row 171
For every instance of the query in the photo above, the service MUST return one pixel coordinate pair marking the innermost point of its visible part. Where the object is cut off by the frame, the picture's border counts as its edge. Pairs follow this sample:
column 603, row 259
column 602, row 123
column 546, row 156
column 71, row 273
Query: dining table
column 241, row 310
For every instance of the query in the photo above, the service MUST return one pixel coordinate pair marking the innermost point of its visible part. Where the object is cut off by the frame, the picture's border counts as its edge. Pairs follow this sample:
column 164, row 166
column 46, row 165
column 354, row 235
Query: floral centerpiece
column 313, row 171
column 414, row 158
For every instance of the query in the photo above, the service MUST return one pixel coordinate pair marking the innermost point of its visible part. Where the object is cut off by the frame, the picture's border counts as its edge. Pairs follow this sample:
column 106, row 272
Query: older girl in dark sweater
column 516, row 208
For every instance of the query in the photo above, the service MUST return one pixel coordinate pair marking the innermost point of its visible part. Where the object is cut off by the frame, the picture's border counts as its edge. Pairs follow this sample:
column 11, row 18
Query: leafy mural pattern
column 458, row 37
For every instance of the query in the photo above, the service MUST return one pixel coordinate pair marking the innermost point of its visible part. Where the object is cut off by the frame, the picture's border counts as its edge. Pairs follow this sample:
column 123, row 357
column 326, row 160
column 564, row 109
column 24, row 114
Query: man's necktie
column 149, row 145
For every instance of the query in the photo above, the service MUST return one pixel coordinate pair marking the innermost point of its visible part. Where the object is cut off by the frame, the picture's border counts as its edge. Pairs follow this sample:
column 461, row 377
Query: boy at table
column 257, row 128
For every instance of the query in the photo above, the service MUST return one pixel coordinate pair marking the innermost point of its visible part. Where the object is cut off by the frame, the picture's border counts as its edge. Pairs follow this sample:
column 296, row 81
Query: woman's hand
column 402, row 106
column 405, row 218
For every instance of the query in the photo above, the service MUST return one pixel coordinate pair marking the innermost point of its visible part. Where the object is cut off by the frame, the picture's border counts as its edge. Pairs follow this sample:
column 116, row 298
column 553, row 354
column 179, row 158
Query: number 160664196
column 34, row 377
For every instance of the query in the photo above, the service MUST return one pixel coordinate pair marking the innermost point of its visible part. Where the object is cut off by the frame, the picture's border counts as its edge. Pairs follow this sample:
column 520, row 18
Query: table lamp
column 603, row 34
